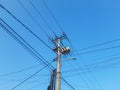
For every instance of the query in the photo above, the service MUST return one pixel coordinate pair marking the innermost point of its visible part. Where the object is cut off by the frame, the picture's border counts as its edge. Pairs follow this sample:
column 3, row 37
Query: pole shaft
column 58, row 85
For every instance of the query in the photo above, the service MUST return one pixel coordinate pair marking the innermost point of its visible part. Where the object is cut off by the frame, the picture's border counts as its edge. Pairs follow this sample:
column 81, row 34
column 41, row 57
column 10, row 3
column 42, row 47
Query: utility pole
column 58, row 83
column 60, row 51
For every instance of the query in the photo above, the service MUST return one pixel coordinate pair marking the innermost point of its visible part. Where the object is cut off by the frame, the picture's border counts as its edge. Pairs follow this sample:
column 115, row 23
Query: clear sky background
column 86, row 23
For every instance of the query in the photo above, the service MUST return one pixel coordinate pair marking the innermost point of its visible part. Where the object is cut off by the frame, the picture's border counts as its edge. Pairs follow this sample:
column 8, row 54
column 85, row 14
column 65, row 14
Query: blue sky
column 86, row 23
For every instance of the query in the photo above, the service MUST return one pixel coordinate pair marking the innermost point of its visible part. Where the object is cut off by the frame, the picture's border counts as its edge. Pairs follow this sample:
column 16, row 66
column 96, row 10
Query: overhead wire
column 110, row 66
column 9, row 80
column 25, row 26
column 28, row 29
column 104, row 59
column 35, row 8
column 22, row 5
column 14, row 72
column 28, row 46
column 32, row 51
column 55, row 19
column 92, row 51
column 92, row 75
column 100, row 44
column 28, row 78
column 61, row 29
column 102, row 66
column 102, row 62
column 89, row 81
column 17, row 39
column 19, row 71
column 97, row 50
column 47, row 23
column 99, row 67
column 82, row 77
column 68, row 84
column 94, row 65
column 86, row 78
column 36, row 86
column 38, row 80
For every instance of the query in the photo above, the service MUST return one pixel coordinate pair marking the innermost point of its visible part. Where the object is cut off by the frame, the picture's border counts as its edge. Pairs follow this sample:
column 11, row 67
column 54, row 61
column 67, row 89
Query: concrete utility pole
column 60, row 51
column 58, row 84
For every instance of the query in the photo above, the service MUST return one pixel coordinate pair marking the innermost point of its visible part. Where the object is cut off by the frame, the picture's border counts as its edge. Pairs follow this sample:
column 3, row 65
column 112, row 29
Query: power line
column 40, row 15
column 59, row 27
column 87, row 76
column 25, row 45
column 101, row 67
column 56, row 21
column 3, row 75
column 31, row 50
column 25, row 26
column 36, row 86
column 32, row 17
column 93, row 46
column 90, row 72
column 68, row 83
column 85, row 70
column 94, row 65
column 102, row 62
column 93, row 51
column 21, row 79
column 45, row 20
column 14, row 72
column 29, row 77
